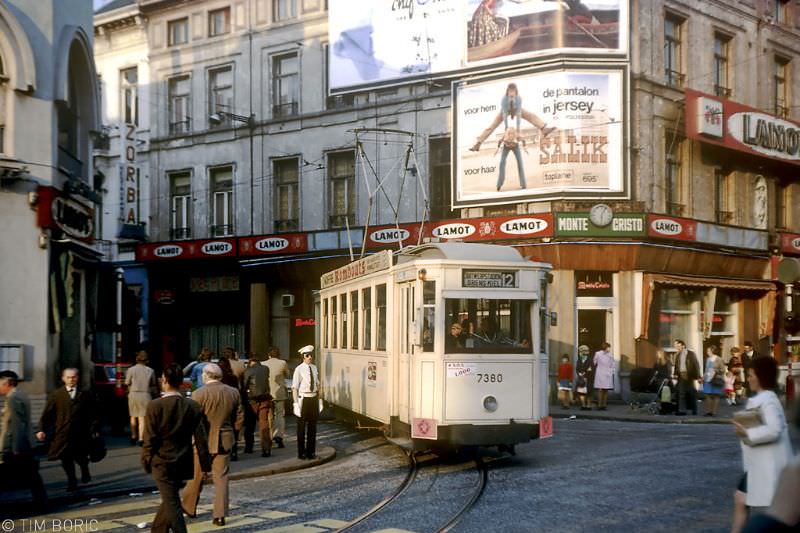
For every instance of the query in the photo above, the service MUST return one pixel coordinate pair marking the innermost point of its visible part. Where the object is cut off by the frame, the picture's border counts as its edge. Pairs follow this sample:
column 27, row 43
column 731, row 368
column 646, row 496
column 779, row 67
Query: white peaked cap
column 308, row 348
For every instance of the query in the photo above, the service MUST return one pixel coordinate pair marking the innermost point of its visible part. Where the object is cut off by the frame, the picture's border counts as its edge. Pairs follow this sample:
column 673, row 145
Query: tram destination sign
column 489, row 279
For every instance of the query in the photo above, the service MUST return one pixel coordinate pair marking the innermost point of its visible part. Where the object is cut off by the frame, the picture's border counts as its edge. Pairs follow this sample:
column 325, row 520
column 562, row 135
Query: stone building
column 275, row 136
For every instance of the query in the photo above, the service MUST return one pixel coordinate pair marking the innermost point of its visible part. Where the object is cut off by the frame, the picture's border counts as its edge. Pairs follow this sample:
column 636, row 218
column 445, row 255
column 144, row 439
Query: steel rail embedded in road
column 483, row 472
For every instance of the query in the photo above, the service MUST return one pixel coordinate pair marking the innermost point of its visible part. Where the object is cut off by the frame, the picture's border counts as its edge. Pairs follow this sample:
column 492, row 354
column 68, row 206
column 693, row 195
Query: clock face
column 601, row 215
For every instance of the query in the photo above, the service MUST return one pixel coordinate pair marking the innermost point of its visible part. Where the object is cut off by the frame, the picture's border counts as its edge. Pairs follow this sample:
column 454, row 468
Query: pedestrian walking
column 306, row 392
column 766, row 447
column 18, row 465
column 278, row 374
column 748, row 355
column 583, row 373
column 604, row 374
column 237, row 366
column 713, row 380
column 195, row 369
column 140, row 381
column 687, row 375
column 218, row 403
column 565, row 373
column 69, row 421
column 228, row 378
column 256, row 383
column 736, row 368
column 171, row 423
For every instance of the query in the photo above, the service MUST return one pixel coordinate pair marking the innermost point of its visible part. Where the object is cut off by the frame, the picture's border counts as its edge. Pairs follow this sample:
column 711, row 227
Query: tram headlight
column 490, row 403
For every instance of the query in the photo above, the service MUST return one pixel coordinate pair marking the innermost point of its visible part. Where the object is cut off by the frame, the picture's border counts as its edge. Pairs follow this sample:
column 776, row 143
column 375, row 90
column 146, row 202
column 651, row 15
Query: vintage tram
column 444, row 344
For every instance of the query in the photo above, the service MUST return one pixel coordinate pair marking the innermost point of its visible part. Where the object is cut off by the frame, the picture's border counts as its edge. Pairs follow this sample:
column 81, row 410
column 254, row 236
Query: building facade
column 48, row 116
column 658, row 175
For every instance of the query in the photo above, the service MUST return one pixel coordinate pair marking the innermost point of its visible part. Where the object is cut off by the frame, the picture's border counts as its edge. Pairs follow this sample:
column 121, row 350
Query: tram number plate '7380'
column 490, row 378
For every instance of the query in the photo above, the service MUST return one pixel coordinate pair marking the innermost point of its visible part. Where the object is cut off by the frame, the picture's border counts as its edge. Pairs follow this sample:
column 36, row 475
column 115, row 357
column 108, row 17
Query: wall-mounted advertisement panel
column 539, row 135
column 378, row 42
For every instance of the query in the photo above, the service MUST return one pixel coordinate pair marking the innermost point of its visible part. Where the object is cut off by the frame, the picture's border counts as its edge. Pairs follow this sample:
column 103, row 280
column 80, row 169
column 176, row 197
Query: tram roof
column 460, row 251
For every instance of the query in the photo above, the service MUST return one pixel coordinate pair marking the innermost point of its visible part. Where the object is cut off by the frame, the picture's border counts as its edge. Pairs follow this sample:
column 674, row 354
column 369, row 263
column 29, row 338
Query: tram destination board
column 489, row 279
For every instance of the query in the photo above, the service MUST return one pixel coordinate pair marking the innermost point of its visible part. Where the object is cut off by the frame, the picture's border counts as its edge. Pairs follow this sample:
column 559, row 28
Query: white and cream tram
column 443, row 342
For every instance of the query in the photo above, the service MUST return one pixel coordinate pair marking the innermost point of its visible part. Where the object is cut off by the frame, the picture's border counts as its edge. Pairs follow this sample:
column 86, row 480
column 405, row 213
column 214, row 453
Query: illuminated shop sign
column 539, row 135
column 742, row 128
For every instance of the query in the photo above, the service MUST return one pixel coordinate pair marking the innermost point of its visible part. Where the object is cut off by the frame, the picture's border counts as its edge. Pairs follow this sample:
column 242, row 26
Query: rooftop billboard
column 379, row 42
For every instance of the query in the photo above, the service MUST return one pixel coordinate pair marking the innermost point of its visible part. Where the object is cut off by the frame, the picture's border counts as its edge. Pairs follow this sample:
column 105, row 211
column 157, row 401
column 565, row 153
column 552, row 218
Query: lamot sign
column 673, row 228
column 207, row 248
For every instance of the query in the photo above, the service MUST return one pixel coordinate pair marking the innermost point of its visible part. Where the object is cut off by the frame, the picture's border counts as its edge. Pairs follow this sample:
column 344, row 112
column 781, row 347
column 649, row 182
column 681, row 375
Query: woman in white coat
column 766, row 448
column 604, row 374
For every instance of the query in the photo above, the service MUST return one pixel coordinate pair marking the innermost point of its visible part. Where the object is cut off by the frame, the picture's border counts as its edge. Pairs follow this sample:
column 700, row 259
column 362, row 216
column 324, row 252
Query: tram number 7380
column 490, row 378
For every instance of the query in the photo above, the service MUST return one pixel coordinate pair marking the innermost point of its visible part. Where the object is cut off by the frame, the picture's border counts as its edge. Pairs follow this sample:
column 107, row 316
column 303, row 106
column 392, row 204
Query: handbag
column 97, row 449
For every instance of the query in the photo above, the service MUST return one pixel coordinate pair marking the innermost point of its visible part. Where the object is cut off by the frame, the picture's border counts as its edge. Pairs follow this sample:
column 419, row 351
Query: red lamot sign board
column 673, row 228
column 719, row 121
column 66, row 213
column 209, row 248
column 291, row 243
column 496, row 228
column 790, row 243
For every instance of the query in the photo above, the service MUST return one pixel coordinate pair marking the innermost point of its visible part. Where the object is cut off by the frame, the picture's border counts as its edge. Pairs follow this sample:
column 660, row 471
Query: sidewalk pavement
column 617, row 410
column 120, row 473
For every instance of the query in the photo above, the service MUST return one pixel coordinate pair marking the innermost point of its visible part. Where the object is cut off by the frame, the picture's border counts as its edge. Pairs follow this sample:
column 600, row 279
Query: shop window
column 345, row 322
column 342, row 182
column 219, row 21
column 178, row 31
column 129, row 99
column 221, row 179
column 181, row 204
column 179, row 89
column 428, row 315
column 673, row 175
column 724, row 322
column 673, row 63
column 722, row 195
column 366, row 306
column 286, row 178
column 676, row 317
column 354, row 319
column 285, row 85
column 380, row 304
column 220, row 95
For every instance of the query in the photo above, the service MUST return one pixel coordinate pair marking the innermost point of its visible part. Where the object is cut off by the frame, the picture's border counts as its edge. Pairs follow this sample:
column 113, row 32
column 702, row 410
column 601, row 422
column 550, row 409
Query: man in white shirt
column 306, row 392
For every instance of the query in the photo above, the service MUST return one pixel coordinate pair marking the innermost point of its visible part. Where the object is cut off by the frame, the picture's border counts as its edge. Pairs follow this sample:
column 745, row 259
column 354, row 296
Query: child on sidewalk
column 730, row 391
column 565, row 373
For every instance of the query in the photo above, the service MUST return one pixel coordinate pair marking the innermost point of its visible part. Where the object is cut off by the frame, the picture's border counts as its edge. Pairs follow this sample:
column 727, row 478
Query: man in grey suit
column 688, row 373
column 170, row 422
column 17, row 462
column 218, row 403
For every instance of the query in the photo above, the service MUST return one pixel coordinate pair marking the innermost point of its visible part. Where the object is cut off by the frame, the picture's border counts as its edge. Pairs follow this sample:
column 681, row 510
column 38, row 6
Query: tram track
column 403, row 488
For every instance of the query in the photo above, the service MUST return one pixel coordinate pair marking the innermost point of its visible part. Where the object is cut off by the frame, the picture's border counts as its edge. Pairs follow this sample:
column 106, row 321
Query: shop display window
column 676, row 316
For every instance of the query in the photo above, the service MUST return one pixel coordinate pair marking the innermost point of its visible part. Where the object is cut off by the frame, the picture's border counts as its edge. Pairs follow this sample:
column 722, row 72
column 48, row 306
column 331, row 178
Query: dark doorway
column 592, row 328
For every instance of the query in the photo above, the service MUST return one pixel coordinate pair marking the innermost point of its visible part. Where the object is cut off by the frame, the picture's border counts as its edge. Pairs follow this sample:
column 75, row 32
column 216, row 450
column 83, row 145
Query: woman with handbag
column 766, row 447
column 713, row 379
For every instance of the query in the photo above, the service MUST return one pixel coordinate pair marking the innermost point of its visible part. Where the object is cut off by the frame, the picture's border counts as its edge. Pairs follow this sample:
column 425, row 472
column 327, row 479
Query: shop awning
column 766, row 306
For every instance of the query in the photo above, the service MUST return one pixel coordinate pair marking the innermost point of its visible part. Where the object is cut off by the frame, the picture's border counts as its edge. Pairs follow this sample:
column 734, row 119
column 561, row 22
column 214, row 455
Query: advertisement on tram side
column 539, row 135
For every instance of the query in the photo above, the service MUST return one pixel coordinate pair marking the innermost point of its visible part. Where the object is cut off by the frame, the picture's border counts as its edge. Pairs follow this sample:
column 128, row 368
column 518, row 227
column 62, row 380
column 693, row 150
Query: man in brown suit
column 218, row 403
column 170, row 422
column 70, row 421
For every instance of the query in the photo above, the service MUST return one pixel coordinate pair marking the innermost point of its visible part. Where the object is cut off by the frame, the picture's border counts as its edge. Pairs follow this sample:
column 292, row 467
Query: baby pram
column 651, row 391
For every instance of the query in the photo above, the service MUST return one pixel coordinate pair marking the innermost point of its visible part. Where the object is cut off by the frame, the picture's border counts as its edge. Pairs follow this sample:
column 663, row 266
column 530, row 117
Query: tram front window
column 487, row 325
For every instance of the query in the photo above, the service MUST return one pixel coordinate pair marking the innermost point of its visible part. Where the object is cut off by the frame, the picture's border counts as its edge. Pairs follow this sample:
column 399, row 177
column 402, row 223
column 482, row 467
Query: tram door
column 406, row 328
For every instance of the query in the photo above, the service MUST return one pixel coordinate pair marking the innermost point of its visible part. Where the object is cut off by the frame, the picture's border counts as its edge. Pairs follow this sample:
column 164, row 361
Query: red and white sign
column 744, row 128
column 273, row 244
column 66, row 213
column 383, row 236
column 490, row 229
column 424, row 428
column 207, row 248
column 790, row 243
column 674, row 228
column 545, row 427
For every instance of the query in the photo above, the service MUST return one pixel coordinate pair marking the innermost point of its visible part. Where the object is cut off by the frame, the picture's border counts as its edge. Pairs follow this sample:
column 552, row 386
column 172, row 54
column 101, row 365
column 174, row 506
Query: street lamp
column 215, row 119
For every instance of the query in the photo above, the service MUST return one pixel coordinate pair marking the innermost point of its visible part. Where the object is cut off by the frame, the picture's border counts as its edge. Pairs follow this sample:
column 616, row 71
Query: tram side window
column 366, row 305
column 488, row 325
column 334, row 323
column 380, row 303
column 429, row 315
column 325, row 323
column 354, row 320
column 343, row 307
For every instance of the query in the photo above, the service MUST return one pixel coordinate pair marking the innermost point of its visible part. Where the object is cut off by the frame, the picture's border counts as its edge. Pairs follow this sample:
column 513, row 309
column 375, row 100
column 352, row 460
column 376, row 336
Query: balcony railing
column 676, row 210
column 674, row 78
column 224, row 230
column 284, row 110
column 287, row 225
column 180, row 128
column 179, row 234
column 721, row 91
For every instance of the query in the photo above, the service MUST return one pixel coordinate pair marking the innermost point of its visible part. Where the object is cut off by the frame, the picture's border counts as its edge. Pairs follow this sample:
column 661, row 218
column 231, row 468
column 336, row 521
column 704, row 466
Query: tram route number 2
column 490, row 378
